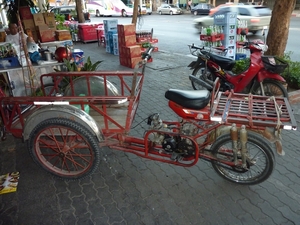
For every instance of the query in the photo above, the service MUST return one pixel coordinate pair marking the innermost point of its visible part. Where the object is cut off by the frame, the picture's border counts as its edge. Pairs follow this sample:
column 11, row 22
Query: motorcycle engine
column 179, row 145
column 169, row 142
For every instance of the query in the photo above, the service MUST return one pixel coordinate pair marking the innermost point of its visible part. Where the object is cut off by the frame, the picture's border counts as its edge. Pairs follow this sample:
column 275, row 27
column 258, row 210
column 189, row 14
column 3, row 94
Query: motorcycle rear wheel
column 199, row 72
column 271, row 88
column 260, row 160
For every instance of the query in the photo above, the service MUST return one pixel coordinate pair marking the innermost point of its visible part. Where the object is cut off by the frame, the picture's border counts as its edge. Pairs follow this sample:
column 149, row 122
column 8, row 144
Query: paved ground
column 126, row 189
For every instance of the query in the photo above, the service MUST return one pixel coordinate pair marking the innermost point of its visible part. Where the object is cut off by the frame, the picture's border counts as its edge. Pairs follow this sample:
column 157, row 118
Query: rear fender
column 263, row 75
column 61, row 111
column 195, row 64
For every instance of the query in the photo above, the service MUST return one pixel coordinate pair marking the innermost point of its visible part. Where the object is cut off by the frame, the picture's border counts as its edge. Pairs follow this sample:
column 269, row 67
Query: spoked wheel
column 200, row 72
column 259, row 162
column 271, row 88
column 64, row 148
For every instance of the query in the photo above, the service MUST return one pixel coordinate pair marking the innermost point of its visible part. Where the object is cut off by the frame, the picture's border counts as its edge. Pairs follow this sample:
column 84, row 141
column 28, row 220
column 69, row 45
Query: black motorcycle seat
column 224, row 62
column 191, row 99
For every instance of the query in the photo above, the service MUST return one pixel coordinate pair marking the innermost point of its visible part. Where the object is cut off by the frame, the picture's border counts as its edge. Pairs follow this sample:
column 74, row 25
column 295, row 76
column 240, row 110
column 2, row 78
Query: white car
column 169, row 9
column 257, row 17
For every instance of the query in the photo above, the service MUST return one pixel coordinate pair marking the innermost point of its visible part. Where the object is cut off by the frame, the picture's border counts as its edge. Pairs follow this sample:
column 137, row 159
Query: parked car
column 257, row 17
column 70, row 12
column 202, row 9
column 144, row 10
column 169, row 9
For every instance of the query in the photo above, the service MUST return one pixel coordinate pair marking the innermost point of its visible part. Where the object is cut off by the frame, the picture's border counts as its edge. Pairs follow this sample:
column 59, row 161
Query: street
column 175, row 32
column 130, row 190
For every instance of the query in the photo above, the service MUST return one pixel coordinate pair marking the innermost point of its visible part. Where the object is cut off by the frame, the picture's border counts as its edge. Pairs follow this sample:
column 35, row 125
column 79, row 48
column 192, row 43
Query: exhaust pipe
column 201, row 82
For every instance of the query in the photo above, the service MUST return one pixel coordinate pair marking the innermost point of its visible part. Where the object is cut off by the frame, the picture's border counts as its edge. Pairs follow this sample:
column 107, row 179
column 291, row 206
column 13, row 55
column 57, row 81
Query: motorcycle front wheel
column 259, row 160
column 271, row 88
column 200, row 72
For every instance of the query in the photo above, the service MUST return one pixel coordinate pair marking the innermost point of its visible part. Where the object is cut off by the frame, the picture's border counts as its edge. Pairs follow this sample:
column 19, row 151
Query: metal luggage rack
column 254, row 111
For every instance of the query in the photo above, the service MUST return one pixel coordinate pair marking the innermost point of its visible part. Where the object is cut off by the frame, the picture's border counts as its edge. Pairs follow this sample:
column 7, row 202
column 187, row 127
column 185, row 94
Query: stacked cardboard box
column 2, row 36
column 45, row 33
column 42, row 26
column 62, row 35
column 129, row 51
column 28, row 22
column 111, row 36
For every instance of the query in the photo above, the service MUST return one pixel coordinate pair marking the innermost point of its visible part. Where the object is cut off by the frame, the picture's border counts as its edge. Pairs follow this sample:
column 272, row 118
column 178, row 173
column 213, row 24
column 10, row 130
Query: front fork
column 262, row 88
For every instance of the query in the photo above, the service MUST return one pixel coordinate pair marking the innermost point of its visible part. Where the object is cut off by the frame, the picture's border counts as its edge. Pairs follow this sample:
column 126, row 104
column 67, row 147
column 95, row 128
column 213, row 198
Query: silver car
column 257, row 17
column 169, row 9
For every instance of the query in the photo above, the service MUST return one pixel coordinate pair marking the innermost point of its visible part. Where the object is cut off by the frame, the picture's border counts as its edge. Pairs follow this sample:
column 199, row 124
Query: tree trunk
column 154, row 6
column 79, row 10
column 279, row 26
column 135, row 11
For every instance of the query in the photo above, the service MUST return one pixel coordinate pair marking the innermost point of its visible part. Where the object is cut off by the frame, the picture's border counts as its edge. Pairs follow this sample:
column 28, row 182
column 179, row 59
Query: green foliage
column 241, row 66
column 292, row 72
column 71, row 66
column 60, row 19
column 46, row 6
column 89, row 66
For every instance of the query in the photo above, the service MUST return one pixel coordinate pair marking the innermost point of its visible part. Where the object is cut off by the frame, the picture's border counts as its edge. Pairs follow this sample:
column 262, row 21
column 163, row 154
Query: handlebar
column 147, row 55
column 202, row 50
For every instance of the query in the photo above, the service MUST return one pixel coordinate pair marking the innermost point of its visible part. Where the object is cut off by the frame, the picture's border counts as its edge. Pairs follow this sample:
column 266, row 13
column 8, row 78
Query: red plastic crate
column 212, row 38
column 87, row 31
column 239, row 30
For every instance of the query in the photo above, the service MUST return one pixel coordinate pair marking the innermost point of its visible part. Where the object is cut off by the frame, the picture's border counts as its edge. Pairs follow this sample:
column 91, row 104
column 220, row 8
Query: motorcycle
column 65, row 132
column 261, row 78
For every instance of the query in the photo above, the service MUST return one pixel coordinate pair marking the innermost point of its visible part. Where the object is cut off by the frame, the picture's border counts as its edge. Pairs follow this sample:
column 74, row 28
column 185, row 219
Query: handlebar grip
column 147, row 54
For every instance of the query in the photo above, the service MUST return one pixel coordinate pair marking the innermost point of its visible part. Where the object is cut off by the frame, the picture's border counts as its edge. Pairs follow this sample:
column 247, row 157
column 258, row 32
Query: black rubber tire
column 197, row 72
column 160, row 13
column 251, row 176
column 69, row 157
column 272, row 88
column 195, row 13
column 124, row 13
column 171, row 13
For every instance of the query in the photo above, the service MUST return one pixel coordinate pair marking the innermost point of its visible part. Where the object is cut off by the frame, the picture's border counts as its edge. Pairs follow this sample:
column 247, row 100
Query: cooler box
column 87, row 31
column 9, row 62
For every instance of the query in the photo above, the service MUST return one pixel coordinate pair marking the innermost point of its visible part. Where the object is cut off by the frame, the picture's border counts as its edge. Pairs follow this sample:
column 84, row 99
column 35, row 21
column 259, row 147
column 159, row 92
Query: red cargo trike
column 66, row 128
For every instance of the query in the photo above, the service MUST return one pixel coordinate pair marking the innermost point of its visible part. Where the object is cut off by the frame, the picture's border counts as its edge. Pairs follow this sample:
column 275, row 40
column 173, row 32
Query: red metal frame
column 256, row 112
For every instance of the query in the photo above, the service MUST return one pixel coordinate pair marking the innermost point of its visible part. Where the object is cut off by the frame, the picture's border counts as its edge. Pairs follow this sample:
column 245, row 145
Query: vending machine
column 228, row 21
